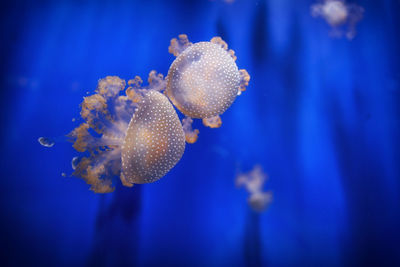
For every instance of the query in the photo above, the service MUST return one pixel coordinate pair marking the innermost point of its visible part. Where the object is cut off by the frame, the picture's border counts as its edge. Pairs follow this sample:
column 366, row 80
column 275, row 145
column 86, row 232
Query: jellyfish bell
column 335, row 12
column 204, row 79
column 154, row 142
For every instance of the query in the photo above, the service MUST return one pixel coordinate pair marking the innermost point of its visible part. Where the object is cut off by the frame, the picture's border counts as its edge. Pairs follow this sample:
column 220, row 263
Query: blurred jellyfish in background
column 254, row 181
column 339, row 14
column 135, row 133
column 46, row 142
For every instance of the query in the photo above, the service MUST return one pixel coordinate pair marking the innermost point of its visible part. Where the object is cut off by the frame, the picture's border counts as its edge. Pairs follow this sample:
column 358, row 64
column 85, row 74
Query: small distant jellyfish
column 204, row 79
column 75, row 162
column 133, row 132
column 338, row 13
column 46, row 142
column 254, row 181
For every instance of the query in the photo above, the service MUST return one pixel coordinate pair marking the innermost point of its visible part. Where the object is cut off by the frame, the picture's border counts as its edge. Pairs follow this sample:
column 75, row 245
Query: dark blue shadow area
column 321, row 115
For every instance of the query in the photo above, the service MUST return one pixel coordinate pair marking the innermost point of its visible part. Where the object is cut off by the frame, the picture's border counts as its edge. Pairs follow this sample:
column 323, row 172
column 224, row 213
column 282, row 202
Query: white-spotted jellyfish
column 338, row 13
column 133, row 132
column 204, row 79
column 254, row 181
column 46, row 142
column 154, row 142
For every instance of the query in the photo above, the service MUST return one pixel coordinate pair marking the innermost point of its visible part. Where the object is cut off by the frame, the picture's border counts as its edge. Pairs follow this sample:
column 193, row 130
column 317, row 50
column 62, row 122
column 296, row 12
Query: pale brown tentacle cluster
column 190, row 134
column 213, row 122
column 177, row 46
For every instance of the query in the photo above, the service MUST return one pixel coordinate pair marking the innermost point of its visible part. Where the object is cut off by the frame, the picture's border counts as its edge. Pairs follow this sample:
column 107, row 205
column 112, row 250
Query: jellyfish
column 154, row 142
column 136, row 135
column 254, row 181
column 133, row 132
column 338, row 13
column 204, row 80
column 46, row 142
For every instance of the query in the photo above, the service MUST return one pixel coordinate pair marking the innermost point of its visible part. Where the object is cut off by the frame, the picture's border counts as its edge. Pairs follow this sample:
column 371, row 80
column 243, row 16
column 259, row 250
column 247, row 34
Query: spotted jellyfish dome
column 203, row 80
column 154, row 142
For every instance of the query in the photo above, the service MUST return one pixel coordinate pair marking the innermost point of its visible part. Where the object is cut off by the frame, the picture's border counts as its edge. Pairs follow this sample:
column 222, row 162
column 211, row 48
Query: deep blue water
column 321, row 115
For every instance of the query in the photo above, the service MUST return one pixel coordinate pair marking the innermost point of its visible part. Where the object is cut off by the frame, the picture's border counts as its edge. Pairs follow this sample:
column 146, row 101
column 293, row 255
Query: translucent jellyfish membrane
column 338, row 13
column 134, row 132
column 154, row 142
column 46, row 142
column 204, row 80
column 254, row 181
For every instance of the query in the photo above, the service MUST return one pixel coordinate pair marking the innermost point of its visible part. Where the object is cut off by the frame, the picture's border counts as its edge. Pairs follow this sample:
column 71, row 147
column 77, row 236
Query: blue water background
column 321, row 116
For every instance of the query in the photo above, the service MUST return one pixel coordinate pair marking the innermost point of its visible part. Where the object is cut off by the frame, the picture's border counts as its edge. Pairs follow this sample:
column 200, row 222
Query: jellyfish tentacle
column 213, row 122
column 190, row 134
column 97, row 169
column 124, row 181
column 178, row 45
column 132, row 91
column 135, row 91
column 244, row 80
column 106, row 114
column 219, row 41
column 156, row 81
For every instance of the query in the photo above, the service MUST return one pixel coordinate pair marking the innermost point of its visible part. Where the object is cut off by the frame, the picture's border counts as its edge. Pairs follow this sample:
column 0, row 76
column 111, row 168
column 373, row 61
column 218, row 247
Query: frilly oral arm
column 178, row 45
